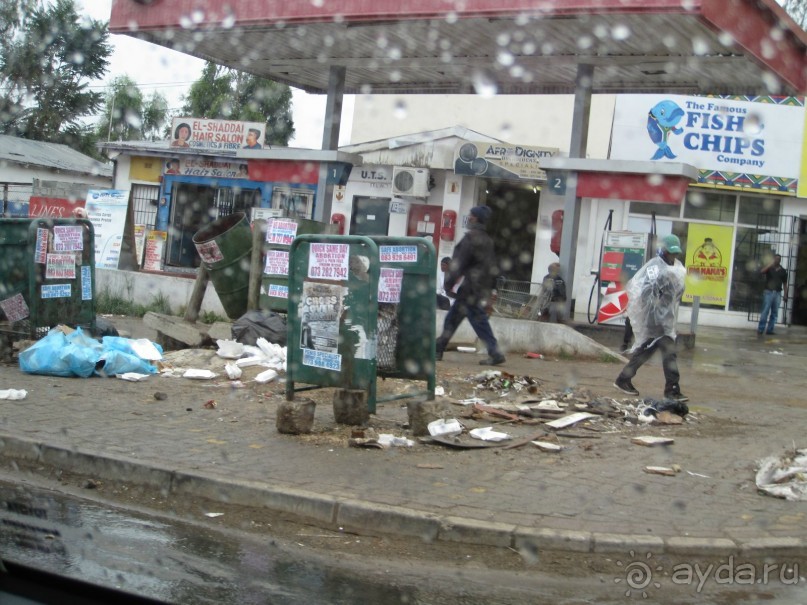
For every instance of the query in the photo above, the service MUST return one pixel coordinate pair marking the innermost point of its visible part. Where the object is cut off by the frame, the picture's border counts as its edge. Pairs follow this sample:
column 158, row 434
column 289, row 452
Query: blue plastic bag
column 60, row 354
column 119, row 362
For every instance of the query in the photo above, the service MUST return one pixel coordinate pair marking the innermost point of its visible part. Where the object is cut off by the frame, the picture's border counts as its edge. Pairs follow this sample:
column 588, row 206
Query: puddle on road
column 176, row 563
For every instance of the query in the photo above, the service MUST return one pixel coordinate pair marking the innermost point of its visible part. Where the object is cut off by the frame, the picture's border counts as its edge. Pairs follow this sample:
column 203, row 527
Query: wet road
column 176, row 562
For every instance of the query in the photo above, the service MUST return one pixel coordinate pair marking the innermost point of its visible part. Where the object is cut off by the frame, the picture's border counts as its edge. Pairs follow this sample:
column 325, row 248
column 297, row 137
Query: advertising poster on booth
column 708, row 261
column 106, row 209
column 320, row 312
column 622, row 256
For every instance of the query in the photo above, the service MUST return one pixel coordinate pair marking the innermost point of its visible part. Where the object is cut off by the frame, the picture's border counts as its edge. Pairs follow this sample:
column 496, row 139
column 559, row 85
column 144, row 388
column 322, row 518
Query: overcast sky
column 157, row 68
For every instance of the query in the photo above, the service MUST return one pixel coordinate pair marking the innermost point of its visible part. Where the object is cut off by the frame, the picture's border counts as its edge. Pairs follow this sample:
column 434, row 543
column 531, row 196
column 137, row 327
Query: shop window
column 294, row 203
column 745, row 277
column 710, row 206
column 144, row 201
column 752, row 207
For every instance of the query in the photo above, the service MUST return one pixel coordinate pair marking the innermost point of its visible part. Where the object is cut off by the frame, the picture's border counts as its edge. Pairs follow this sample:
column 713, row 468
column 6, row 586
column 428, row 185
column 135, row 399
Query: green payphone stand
column 339, row 287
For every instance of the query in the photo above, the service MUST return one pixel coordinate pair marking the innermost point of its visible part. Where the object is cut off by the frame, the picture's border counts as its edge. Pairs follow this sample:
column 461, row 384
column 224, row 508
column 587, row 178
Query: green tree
column 796, row 9
column 48, row 56
column 226, row 94
column 128, row 115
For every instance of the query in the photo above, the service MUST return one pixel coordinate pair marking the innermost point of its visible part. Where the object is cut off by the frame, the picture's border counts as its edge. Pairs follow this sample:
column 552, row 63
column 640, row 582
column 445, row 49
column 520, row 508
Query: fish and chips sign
column 216, row 135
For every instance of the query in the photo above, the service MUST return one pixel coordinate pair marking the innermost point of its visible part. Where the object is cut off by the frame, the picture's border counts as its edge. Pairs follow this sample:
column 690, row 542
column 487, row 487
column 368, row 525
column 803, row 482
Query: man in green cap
column 653, row 297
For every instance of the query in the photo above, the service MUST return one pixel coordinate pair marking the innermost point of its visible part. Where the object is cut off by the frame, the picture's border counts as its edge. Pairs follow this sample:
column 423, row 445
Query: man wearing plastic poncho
column 653, row 297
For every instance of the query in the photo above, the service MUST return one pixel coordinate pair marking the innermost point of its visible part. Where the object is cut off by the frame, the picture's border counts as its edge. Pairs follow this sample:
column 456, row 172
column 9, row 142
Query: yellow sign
column 145, row 169
column 708, row 260
column 802, row 187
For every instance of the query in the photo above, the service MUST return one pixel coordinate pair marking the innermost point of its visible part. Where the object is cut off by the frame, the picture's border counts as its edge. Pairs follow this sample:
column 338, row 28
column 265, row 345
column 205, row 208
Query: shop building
column 745, row 190
column 174, row 190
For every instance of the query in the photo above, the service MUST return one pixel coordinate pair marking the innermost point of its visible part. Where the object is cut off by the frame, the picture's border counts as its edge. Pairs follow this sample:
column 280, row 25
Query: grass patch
column 112, row 303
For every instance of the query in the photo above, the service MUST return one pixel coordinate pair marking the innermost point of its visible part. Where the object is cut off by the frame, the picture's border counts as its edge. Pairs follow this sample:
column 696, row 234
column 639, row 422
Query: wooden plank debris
column 652, row 441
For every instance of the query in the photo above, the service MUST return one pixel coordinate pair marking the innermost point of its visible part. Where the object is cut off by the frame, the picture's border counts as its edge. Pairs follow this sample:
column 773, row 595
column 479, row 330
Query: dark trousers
column 478, row 319
column 669, row 361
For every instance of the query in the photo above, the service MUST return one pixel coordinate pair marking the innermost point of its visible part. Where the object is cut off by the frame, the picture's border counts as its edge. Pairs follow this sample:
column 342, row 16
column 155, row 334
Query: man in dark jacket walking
column 474, row 260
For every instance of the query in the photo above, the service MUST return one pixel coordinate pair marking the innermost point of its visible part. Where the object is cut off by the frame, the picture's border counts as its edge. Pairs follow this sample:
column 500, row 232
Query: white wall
column 540, row 121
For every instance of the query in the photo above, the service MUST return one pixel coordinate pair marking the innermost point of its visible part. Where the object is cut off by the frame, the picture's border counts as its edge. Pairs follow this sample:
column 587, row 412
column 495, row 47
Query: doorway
column 513, row 225
column 370, row 216
column 195, row 206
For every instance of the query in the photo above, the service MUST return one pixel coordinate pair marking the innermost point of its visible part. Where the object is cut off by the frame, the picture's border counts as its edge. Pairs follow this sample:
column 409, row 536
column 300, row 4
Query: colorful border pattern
column 755, row 182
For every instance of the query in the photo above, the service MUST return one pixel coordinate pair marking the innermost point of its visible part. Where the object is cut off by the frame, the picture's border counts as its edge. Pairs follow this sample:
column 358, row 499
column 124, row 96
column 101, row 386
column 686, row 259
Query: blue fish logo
column 661, row 121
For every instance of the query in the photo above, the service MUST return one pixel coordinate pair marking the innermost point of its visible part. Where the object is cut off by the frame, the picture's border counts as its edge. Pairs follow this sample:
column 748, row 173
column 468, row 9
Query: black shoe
column 493, row 361
column 771, row 333
column 438, row 356
column 626, row 386
column 676, row 396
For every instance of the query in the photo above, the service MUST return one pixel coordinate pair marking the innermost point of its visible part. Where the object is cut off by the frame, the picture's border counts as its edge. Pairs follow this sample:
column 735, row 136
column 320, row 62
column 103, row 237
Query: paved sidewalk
column 747, row 393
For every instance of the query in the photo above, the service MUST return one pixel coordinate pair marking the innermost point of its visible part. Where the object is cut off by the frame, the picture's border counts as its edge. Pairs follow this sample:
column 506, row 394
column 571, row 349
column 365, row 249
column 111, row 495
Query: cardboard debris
column 666, row 417
column 570, row 420
column 652, row 441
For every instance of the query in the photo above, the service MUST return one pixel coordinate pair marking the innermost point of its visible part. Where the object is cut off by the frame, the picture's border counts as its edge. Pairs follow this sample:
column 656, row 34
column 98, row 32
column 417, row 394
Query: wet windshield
column 238, row 248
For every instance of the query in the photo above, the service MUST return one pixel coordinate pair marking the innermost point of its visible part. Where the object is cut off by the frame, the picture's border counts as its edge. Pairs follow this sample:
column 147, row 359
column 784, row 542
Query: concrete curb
column 373, row 518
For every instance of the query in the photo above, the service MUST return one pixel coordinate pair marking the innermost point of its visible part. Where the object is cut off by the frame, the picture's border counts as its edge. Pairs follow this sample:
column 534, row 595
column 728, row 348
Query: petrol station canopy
column 717, row 47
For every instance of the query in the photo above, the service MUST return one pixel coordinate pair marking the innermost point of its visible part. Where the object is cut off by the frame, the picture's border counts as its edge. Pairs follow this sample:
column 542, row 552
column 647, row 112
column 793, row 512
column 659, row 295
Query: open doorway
column 513, row 225
column 798, row 289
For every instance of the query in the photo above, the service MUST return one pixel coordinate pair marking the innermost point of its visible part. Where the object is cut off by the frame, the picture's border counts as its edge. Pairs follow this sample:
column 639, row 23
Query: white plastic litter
column 133, row 376
column 471, row 401
column 784, row 476
column 145, row 349
column 229, row 349
column 550, row 404
column 387, row 440
column 267, row 376
column 441, row 426
column 13, row 394
column 233, row 371
column 199, row 374
column 466, row 349
column 439, row 391
column 487, row 433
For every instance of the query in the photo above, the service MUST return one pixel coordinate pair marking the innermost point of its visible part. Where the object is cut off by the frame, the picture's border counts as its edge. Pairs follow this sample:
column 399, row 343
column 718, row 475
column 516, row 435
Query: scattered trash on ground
column 13, row 394
column 652, row 441
column 784, row 476
column 663, row 470
column 487, row 433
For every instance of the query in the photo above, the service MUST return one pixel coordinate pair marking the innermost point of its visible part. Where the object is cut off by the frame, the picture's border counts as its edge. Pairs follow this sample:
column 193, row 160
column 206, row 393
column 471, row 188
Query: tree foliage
column 48, row 56
column 128, row 115
column 227, row 94
column 796, row 9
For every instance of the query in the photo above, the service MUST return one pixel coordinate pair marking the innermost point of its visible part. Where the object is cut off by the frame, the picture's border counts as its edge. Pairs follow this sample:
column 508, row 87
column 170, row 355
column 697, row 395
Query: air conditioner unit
column 413, row 182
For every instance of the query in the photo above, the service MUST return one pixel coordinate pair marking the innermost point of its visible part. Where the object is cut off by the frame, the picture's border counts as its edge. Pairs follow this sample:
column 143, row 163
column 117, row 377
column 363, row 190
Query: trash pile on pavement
column 784, row 476
column 522, row 399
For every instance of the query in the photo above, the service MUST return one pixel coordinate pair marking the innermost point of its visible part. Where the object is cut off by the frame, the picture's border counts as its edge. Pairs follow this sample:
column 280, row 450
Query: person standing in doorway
column 444, row 298
column 654, row 294
column 474, row 261
column 553, row 282
column 775, row 280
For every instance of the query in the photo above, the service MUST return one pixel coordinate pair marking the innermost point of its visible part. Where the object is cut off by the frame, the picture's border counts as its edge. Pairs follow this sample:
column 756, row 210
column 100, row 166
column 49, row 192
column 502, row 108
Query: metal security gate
column 774, row 235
